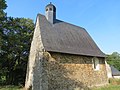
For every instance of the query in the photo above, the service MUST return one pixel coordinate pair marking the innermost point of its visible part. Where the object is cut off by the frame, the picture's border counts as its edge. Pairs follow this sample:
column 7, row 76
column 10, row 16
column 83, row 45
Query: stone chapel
column 63, row 56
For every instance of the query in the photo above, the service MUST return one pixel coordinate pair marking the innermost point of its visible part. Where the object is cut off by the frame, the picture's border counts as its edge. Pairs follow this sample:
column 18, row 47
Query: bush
column 114, row 81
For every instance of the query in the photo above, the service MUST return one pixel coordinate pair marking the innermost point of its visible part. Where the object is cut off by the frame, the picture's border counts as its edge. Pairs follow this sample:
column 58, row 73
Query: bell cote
column 50, row 13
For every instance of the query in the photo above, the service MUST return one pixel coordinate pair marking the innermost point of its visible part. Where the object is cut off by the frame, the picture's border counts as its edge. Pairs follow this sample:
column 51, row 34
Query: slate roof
column 115, row 72
column 64, row 37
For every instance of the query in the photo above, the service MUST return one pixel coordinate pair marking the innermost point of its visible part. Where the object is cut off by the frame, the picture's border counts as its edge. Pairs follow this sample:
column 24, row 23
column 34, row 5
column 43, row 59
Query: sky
column 101, row 18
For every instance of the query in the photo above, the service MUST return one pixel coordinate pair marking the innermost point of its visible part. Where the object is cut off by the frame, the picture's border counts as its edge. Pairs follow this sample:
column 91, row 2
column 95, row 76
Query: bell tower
column 50, row 13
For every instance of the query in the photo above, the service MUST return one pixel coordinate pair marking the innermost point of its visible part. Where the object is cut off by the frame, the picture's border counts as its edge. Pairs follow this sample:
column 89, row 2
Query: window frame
column 95, row 63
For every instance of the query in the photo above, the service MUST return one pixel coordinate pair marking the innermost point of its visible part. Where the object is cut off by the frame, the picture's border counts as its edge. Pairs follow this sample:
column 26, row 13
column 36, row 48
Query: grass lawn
column 114, row 85
column 109, row 87
column 10, row 88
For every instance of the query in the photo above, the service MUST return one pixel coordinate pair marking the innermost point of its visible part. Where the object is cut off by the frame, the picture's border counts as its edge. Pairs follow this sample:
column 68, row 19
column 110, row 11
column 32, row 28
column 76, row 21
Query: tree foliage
column 15, row 39
column 114, row 59
column 3, row 6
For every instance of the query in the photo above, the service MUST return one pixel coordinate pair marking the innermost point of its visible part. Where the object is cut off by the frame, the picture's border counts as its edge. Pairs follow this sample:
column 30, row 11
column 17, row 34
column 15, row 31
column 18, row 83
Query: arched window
column 46, row 9
column 95, row 61
column 50, row 9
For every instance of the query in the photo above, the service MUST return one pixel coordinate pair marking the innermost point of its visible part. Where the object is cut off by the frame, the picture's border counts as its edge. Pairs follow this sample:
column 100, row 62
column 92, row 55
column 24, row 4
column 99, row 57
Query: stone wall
column 109, row 72
column 56, row 71
column 72, row 72
column 36, row 53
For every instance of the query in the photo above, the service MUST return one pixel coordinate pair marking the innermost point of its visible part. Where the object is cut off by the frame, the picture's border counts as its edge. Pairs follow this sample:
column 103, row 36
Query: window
column 50, row 9
column 95, row 63
column 46, row 9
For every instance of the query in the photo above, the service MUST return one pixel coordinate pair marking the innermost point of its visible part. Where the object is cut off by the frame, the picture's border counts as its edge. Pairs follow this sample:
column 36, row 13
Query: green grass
column 109, row 87
column 114, row 85
column 10, row 88
column 114, row 81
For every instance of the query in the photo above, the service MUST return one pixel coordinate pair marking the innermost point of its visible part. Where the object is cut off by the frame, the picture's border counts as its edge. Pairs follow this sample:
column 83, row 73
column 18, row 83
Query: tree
column 114, row 59
column 17, row 38
column 2, row 20
column 3, row 6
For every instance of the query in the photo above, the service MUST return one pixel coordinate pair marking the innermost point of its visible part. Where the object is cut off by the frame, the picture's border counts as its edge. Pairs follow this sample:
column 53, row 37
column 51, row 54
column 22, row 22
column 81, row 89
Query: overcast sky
column 101, row 18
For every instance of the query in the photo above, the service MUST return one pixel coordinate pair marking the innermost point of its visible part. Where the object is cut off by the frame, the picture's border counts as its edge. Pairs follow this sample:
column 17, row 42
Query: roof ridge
column 63, row 22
